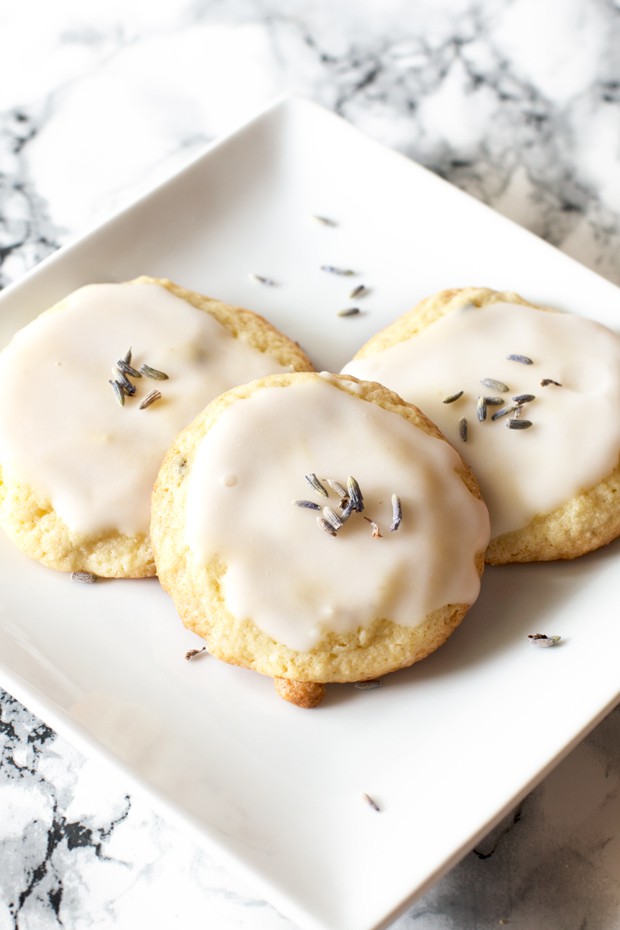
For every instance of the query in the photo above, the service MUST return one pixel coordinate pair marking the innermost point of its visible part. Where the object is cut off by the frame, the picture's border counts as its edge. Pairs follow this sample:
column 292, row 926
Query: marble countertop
column 515, row 101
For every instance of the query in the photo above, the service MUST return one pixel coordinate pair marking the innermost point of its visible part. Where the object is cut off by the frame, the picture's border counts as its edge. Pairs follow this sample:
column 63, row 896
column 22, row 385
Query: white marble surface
column 515, row 101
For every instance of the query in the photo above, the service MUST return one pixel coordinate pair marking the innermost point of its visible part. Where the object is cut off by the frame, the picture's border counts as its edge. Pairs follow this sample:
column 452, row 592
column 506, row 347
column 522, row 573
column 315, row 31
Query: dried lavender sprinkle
column 524, row 398
column 520, row 358
column 322, row 522
column 337, row 487
column 349, row 311
column 463, row 428
column 330, row 515
column 355, row 494
column 358, row 291
column 518, row 424
column 332, row 269
column 127, row 369
column 84, row 577
column 324, row 220
column 261, row 279
column 128, row 388
column 493, row 401
column 397, row 513
column 481, row 409
column 546, row 381
column 153, row 373
column 192, row 653
column 376, row 532
column 503, row 412
column 371, row 685
column 149, row 399
column 119, row 393
column 370, row 801
column 541, row 639
column 315, row 484
column 495, row 385
column 309, row 505
column 452, row 397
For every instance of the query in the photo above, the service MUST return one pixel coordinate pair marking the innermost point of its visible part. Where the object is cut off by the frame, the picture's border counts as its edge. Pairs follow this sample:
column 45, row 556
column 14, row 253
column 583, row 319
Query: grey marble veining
column 554, row 862
column 26, row 235
column 516, row 102
column 460, row 87
column 77, row 850
column 42, row 834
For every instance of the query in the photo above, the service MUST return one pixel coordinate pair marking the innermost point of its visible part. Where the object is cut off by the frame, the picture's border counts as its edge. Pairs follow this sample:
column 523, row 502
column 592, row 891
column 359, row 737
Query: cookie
column 317, row 529
column 92, row 393
column 529, row 396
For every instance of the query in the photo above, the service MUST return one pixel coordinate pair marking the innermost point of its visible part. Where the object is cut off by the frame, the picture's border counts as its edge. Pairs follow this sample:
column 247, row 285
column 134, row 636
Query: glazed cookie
column 530, row 397
column 92, row 393
column 317, row 529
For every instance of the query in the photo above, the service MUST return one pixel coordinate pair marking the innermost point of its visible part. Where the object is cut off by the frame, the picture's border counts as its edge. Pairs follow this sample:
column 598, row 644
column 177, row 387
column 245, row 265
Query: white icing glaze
column 574, row 441
column 293, row 579
column 61, row 430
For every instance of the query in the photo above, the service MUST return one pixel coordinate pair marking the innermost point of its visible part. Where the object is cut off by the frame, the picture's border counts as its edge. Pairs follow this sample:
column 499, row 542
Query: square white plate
column 446, row 747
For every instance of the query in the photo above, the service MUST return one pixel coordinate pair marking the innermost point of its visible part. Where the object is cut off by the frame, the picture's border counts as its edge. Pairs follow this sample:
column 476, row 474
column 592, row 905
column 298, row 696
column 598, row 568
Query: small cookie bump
column 305, row 694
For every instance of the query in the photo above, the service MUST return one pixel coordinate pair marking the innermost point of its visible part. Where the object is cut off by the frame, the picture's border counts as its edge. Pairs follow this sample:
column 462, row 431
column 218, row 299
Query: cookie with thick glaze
column 317, row 529
column 92, row 393
column 529, row 396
